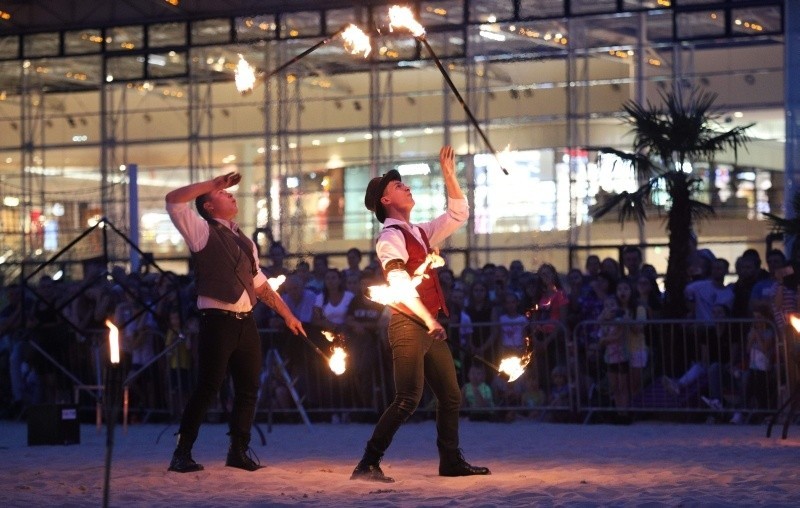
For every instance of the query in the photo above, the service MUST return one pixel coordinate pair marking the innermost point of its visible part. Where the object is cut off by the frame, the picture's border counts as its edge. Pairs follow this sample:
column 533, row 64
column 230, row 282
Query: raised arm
column 447, row 159
column 189, row 192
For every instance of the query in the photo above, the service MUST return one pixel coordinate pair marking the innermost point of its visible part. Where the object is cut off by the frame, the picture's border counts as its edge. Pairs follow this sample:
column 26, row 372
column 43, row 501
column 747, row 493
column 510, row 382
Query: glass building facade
column 101, row 121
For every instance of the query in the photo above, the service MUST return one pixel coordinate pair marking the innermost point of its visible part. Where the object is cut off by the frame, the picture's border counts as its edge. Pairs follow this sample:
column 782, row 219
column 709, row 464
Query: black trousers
column 225, row 343
column 417, row 359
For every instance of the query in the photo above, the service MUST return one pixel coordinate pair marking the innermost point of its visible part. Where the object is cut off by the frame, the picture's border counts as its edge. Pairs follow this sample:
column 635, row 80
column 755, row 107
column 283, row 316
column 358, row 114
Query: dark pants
column 225, row 342
column 417, row 359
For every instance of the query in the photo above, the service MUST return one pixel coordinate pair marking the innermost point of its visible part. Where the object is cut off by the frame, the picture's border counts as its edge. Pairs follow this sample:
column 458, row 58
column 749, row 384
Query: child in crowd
column 477, row 395
column 612, row 340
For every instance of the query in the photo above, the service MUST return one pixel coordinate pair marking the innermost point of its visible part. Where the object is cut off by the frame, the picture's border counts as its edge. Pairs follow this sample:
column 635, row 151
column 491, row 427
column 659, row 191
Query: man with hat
column 419, row 354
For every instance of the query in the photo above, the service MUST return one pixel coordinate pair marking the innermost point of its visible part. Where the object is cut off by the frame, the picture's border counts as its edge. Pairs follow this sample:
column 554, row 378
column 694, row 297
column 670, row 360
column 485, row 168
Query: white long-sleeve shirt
column 195, row 231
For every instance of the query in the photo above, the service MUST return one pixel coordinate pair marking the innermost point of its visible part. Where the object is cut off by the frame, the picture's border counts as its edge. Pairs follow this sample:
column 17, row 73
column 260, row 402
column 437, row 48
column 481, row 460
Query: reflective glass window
column 337, row 18
column 441, row 13
column 299, row 24
column 541, row 8
column 756, row 20
column 168, row 64
column 83, row 41
column 166, row 34
column 691, row 25
column 255, row 28
column 125, row 38
column 9, row 47
column 40, row 45
column 211, row 31
column 593, row 6
column 491, row 11
column 125, row 67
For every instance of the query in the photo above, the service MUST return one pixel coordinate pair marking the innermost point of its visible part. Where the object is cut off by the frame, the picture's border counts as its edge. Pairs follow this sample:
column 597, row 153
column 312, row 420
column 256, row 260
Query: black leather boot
column 182, row 461
column 369, row 467
column 239, row 454
column 452, row 463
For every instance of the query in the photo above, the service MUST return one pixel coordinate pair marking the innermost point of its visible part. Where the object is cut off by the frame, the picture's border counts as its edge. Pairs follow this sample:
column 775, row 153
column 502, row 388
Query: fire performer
column 418, row 354
column 228, row 282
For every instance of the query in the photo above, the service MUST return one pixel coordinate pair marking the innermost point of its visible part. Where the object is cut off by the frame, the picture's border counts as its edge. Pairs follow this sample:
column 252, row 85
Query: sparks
column 245, row 76
column 402, row 17
column 356, row 41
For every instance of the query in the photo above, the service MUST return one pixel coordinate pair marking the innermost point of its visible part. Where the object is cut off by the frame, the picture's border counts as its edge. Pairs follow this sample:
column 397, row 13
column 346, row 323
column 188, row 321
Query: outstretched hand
column 447, row 158
column 227, row 180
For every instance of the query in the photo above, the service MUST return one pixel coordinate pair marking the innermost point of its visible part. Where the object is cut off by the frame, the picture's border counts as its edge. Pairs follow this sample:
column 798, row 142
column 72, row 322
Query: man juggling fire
column 419, row 354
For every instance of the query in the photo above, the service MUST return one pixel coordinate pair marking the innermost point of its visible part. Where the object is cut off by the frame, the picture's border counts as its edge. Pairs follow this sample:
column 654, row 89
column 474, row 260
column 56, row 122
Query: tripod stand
column 273, row 362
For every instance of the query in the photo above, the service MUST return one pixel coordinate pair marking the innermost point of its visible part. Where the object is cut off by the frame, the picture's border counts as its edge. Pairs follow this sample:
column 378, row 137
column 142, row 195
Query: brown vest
column 429, row 290
column 225, row 266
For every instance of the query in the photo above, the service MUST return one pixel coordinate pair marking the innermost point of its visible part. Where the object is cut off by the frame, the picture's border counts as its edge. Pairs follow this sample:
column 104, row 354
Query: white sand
column 532, row 464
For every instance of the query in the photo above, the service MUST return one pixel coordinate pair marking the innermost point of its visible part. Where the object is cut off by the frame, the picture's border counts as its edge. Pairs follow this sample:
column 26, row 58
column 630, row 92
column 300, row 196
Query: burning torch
column 402, row 17
column 354, row 39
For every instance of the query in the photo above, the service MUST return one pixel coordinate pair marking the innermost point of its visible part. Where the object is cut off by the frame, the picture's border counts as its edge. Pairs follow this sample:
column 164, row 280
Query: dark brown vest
column 225, row 266
column 429, row 290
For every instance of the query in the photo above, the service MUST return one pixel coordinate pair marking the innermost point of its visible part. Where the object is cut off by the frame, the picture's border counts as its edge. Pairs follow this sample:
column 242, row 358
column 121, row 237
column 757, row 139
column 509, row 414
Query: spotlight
column 49, row 123
column 705, row 81
column 14, row 125
column 71, row 121
column 411, row 101
column 491, row 95
column 357, row 105
column 528, row 93
column 338, row 104
column 148, row 118
column 514, row 93
column 226, row 113
column 84, row 122
column 749, row 79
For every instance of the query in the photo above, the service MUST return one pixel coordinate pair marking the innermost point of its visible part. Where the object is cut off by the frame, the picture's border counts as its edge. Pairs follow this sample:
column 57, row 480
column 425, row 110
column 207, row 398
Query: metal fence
column 595, row 372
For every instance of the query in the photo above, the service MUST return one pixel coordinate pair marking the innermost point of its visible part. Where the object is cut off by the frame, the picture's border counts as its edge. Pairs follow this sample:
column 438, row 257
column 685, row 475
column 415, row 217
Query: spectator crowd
column 597, row 337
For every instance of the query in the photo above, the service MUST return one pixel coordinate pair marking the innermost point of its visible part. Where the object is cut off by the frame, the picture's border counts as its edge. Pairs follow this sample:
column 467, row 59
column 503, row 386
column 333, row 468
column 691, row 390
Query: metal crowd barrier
column 685, row 367
column 569, row 379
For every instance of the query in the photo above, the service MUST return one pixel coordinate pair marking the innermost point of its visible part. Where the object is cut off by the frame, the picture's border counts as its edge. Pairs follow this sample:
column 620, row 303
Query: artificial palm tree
column 666, row 137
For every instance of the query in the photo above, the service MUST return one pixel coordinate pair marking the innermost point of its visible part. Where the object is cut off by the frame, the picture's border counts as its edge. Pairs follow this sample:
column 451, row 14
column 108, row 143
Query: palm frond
column 642, row 165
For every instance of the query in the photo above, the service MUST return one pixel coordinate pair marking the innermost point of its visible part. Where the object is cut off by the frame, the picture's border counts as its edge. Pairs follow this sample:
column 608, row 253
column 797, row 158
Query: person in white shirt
column 416, row 338
column 228, row 281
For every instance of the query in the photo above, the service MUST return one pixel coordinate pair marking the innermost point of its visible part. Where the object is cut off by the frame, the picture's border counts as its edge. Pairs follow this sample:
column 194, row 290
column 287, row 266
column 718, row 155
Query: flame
column 795, row 322
column 245, row 76
column 275, row 282
column 356, row 41
column 434, row 260
column 402, row 17
column 113, row 342
column 396, row 292
column 337, row 361
column 514, row 366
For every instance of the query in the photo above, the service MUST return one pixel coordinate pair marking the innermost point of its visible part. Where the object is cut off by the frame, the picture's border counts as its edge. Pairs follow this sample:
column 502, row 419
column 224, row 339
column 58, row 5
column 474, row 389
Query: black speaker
column 53, row 424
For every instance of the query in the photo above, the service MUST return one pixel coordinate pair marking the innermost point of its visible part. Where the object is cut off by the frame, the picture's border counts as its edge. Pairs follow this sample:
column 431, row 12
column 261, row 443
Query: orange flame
column 337, row 362
column 275, row 282
column 245, row 76
column 402, row 17
column 113, row 342
column 514, row 366
column 356, row 41
column 795, row 322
